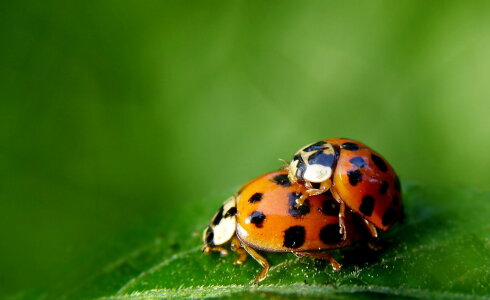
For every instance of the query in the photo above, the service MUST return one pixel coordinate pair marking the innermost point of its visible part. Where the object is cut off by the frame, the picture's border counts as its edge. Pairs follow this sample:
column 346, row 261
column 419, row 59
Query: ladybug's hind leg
column 371, row 228
column 335, row 264
column 261, row 260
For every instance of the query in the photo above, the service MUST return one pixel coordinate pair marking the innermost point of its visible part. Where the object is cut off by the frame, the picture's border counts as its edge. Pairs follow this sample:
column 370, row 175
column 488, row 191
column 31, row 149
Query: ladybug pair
column 324, row 199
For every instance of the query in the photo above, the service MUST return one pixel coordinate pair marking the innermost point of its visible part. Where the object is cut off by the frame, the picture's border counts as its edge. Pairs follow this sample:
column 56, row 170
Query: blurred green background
column 118, row 118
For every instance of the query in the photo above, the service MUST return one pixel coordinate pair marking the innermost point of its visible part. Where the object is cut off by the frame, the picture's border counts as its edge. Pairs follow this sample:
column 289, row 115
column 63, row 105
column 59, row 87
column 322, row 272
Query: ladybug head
column 313, row 163
column 296, row 169
column 222, row 226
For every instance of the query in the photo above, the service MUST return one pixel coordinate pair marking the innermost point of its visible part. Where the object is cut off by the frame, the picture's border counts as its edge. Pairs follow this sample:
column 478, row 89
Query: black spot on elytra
column 300, row 211
column 330, row 234
column 255, row 198
column 350, row 146
column 398, row 187
column 282, row 180
column 330, row 207
column 257, row 218
column 294, row 237
column 367, row 205
column 231, row 212
column 209, row 236
column 395, row 201
column 379, row 162
column 218, row 217
column 388, row 217
column 358, row 161
column 383, row 188
column 315, row 146
column 321, row 158
column 355, row 176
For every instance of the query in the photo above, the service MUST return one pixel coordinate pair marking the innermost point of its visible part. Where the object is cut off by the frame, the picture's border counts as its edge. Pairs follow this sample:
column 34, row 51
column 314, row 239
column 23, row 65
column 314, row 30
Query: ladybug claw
column 376, row 246
column 300, row 200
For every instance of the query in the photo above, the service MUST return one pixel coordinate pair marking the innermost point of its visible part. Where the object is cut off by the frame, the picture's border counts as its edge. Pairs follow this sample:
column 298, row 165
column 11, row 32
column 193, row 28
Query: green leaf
column 441, row 250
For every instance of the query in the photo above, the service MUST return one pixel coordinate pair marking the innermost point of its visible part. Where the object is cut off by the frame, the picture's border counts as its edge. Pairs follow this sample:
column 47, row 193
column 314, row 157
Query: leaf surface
column 441, row 250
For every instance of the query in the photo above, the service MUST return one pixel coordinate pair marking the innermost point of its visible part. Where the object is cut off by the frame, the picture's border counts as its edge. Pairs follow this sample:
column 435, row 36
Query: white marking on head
column 317, row 173
column 224, row 231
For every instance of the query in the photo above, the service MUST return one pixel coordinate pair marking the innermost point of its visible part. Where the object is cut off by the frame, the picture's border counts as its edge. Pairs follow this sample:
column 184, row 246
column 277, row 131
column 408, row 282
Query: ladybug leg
column 371, row 228
column 324, row 186
column 311, row 191
column 236, row 246
column 208, row 249
column 301, row 200
column 376, row 246
column 341, row 214
column 343, row 231
column 335, row 264
column 261, row 260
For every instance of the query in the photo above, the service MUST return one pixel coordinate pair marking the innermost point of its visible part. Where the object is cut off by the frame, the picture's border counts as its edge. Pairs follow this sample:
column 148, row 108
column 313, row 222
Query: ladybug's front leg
column 208, row 249
column 311, row 191
column 322, row 188
column 236, row 246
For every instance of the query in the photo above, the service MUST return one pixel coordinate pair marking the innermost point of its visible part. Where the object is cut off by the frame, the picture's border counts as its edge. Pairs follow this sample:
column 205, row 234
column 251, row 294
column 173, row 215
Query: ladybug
column 357, row 177
column 263, row 216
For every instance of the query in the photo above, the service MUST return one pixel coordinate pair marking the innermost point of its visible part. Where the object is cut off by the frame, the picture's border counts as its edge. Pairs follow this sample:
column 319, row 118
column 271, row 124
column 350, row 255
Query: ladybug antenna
column 285, row 164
